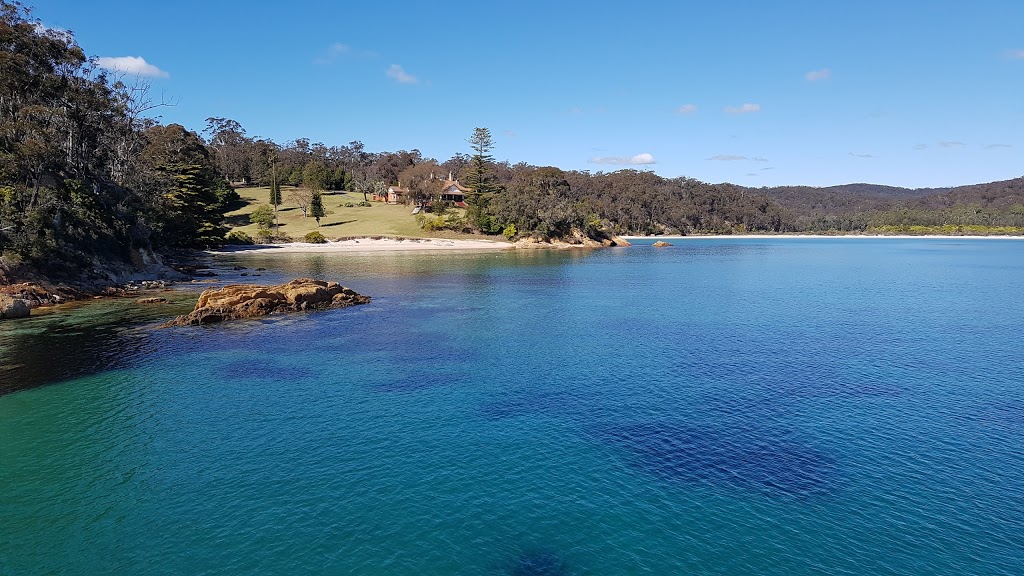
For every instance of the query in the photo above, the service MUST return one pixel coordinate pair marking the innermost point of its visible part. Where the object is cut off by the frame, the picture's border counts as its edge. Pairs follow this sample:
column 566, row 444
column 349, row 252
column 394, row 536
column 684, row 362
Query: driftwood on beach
column 239, row 301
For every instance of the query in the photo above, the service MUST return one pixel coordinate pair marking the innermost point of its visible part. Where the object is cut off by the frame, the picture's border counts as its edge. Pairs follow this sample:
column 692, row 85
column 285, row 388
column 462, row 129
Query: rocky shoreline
column 20, row 287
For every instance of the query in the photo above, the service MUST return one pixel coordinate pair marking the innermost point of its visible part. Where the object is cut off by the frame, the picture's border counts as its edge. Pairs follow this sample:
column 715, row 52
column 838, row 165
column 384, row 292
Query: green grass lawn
column 380, row 219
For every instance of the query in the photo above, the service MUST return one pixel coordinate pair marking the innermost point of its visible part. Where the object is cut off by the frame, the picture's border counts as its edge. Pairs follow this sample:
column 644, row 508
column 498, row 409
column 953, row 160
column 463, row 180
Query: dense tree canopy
column 83, row 176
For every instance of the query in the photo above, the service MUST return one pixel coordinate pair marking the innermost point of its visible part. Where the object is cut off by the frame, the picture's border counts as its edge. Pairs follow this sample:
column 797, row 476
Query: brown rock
column 660, row 244
column 154, row 300
column 11, row 308
column 250, row 300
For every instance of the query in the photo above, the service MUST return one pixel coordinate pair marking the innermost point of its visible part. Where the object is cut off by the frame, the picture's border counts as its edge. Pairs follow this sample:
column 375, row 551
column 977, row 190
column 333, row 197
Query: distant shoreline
column 370, row 245
column 821, row 236
column 379, row 244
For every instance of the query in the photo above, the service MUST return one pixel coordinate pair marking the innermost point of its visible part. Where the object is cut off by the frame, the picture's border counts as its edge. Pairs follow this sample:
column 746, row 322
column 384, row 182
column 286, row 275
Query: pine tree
column 316, row 207
column 275, row 190
column 479, row 176
column 480, row 180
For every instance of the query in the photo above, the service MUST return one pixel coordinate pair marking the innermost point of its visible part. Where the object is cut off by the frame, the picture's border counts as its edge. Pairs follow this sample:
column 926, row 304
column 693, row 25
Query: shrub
column 349, row 205
column 510, row 231
column 433, row 223
column 455, row 221
column 364, row 204
column 487, row 224
column 237, row 237
column 315, row 237
column 262, row 216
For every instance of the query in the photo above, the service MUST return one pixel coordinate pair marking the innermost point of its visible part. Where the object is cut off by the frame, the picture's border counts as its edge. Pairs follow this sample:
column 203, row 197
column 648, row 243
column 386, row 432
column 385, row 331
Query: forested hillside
column 866, row 208
column 85, row 179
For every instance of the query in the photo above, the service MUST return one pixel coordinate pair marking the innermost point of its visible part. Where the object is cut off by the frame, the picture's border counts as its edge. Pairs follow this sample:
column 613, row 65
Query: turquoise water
column 718, row 407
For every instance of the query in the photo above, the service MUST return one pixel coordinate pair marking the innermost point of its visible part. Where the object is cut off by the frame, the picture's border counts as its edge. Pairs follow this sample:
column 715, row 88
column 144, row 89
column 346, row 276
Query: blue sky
column 908, row 93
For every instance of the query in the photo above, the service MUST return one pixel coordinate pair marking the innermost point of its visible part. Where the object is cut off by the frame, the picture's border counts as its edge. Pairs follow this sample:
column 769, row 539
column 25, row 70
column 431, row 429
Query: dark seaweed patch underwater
column 539, row 563
column 768, row 461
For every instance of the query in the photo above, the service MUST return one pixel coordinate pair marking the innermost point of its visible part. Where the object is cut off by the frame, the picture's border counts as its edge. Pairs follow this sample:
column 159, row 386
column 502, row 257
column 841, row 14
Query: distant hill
column 995, row 195
column 861, row 197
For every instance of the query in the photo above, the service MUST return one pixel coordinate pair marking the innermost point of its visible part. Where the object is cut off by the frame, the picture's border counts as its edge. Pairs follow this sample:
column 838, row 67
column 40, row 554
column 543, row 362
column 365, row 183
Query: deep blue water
column 791, row 406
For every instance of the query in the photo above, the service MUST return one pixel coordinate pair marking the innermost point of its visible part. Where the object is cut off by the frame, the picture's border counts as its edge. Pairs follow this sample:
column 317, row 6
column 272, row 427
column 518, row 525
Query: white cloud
column 817, row 75
column 638, row 160
column 398, row 74
column 920, row 146
column 951, row 144
column 686, row 109
column 1015, row 54
column 995, row 146
column 131, row 65
column 737, row 158
column 744, row 109
column 862, row 155
column 333, row 52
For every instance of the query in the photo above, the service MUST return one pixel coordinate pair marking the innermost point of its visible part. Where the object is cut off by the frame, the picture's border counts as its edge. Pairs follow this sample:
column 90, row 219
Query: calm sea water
column 717, row 407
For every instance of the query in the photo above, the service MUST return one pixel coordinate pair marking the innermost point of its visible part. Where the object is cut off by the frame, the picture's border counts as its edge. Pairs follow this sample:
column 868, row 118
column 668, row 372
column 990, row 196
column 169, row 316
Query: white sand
column 798, row 236
column 373, row 245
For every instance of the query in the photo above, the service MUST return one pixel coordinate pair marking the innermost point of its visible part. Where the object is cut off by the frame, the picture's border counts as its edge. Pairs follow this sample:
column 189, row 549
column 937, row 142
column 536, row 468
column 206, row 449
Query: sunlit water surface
column 716, row 407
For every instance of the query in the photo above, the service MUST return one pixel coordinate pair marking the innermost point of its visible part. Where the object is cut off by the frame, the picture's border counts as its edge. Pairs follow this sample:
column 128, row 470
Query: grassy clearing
column 380, row 219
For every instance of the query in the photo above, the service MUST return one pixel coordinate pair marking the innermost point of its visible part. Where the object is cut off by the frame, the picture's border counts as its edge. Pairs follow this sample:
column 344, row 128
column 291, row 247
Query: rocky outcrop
column 36, row 294
column 660, row 244
column 250, row 300
column 576, row 238
column 11, row 308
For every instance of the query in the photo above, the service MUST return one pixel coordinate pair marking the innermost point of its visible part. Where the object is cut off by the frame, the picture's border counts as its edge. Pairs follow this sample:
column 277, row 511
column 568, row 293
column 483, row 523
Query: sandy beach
column 373, row 245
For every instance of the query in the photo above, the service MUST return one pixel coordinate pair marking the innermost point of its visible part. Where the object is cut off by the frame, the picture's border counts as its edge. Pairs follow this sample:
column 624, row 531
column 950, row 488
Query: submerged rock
column 153, row 300
column 11, row 308
column 250, row 300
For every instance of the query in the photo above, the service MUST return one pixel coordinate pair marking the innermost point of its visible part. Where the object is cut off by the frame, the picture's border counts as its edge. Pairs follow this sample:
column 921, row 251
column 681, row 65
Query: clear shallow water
column 718, row 407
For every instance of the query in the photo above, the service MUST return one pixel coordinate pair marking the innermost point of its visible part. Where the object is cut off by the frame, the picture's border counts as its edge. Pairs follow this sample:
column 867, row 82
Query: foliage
column 365, row 204
column 315, row 237
column 432, row 223
column 948, row 230
column 316, row 207
column 316, row 176
column 422, row 182
column 262, row 216
column 84, row 178
column 510, row 231
column 237, row 237
column 193, row 196
column 481, row 181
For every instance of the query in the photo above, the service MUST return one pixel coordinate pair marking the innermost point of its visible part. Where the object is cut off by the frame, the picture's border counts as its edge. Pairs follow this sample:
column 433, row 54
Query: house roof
column 398, row 189
column 449, row 183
